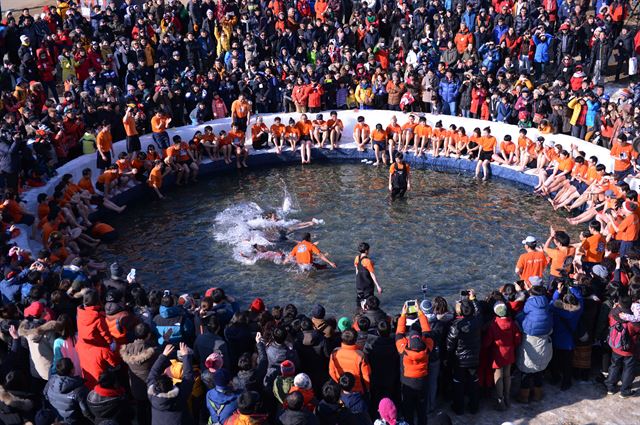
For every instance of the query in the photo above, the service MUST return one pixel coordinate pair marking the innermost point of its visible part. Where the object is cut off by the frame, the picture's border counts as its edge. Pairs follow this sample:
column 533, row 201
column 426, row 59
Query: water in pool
column 451, row 233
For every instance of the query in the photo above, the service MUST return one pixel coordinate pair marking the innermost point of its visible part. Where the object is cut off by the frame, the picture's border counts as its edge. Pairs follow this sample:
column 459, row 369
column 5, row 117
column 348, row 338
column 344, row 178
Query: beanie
column 214, row 362
column 500, row 309
column 388, row 411
column 287, row 368
column 221, row 378
column 318, row 312
column 303, row 381
column 344, row 323
column 257, row 306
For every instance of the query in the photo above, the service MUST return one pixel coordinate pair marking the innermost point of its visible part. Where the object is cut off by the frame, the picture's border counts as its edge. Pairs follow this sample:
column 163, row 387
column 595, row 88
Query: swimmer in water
column 261, row 252
column 303, row 254
column 285, row 230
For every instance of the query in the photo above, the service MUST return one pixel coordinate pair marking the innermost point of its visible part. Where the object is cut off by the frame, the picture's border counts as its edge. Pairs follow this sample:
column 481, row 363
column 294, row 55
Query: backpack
column 619, row 337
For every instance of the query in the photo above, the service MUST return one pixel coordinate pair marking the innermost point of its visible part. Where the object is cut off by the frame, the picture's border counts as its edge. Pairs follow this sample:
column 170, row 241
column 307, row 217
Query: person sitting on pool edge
column 399, row 177
column 303, row 254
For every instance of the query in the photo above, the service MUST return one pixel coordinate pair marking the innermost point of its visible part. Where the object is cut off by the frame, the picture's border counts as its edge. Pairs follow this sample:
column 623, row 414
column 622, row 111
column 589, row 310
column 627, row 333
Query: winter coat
column 120, row 322
column 414, row 364
column 221, row 403
column 565, row 320
column 109, row 404
column 139, row 357
column 207, row 343
column 10, row 151
column 253, row 379
column 465, row 96
column 93, row 344
column 40, row 337
column 332, row 414
column 534, row 353
column 504, row 112
column 348, row 358
column 536, row 318
column 428, row 88
column 633, row 330
column 92, row 326
column 15, row 409
column 593, row 107
column 502, row 338
column 439, row 324
column 464, row 341
column 478, row 96
column 170, row 407
column 313, row 353
column 68, row 396
column 382, row 353
column 542, row 49
column 449, row 90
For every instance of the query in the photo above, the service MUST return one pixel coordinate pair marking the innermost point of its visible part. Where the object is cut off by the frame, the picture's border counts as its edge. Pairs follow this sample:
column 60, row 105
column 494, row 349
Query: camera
column 424, row 288
column 464, row 293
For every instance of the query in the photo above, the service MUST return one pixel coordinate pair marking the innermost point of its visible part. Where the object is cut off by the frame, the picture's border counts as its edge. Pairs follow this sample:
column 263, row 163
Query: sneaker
column 626, row 394
column 611, row 392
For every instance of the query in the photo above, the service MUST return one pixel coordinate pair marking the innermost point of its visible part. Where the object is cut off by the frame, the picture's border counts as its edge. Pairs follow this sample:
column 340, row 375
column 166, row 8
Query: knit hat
column 388, row 411
column 426, row 306
column 303, row 381
column 221, row 378
column 24, row 38
column 500, row 309
column 415, row 342
column 344, row 323
column 214, row 362
column 535, row 281
column 257, row 306
column 600, row 271
column 287, row 368
column 318, row 312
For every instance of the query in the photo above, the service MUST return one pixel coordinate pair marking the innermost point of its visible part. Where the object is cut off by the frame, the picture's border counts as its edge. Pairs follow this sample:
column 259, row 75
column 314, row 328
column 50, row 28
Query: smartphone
column 411, row 303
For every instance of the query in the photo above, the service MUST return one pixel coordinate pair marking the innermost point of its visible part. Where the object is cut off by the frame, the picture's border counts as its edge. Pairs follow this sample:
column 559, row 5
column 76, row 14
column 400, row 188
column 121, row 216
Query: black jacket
column 303, row 417
column 10, row 154
column 105, row 404
column 314, row 354
column 170, row 407
column 464, row 341
column 384, row 361
column 139, row 357
column 331, row 414
column 16, row 408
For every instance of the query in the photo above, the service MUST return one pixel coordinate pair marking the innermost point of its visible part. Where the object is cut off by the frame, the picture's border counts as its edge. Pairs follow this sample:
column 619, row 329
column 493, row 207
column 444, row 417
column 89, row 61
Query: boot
column 500, row 407
column 523, row 396
column 537, row 393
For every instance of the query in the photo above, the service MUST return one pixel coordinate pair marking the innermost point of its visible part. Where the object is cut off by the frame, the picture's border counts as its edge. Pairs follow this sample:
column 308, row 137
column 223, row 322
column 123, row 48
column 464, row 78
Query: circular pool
column 451, row 233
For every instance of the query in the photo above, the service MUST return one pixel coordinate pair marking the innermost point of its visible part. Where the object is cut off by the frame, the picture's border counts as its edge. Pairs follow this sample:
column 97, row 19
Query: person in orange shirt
column 108, row 180
column 305, row 127
column 459, row 144
column 592, row 247
column 379, row 139
column 623, row 155
column 12, row 210
column 292, row 134
column 451, row 136
column 159, row 124
column 507, row 154
column 577, row 183
column 259, row 134
column 236, row 137
column 524, row 154
column 531, row 263
column 320, row 131
column 225, row 146
column 628, row 230
column 361, row 134
column 89, row 193
column 335, row 128
column 561, row 170
column 422, row 137
column 276, row 134
column 437, row 139
column 104, row 145
column 560, row 253
column 157, row 174
column 399, row 177
column 408, row 133
column 303, row 254
column 209, row 142
column 322, row 10
column 366, row 279
column 394, row 132
column 241, row 112
column 180, row 159
column 487, row 145
column 129, row 123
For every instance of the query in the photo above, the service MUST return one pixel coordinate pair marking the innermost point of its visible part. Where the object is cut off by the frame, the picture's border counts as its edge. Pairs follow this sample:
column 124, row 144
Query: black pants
column 530, row 380
column 398, row 192
column 261, row 142
column 143, row 412
column 621, row 369
column 561, row 367
column 413, row 405
column 465, row 383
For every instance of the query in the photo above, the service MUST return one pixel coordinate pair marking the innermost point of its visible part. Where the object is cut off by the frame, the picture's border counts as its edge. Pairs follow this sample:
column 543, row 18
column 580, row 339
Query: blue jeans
column 621, row 369
column 432, row 385
column 625, row 247
column 449, row 108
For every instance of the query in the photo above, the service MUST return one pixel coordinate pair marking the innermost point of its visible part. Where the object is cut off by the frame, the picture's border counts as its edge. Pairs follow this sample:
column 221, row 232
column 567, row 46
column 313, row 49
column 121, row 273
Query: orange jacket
column 414, row 364
column 348, row 358
column 462, row 40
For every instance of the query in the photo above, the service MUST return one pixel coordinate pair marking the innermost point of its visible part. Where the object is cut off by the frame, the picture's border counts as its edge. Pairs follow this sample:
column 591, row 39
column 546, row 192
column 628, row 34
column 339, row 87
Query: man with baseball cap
column 532, row 262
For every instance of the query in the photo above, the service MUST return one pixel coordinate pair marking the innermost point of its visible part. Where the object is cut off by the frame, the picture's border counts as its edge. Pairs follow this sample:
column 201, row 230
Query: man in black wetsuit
column 399, row 177
column 365, row 274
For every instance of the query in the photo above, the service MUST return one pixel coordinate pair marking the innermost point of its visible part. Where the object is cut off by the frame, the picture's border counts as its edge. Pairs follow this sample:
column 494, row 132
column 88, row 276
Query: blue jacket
column 542, row 48
column 592, row 112
column 536, row 319
column 221, row 403
column 504, row 111
column 10, row 289
column 498, row 32
column 490, row 57
column 469, row 18
column 448, row 90
column 177, row 320
column 565, row 320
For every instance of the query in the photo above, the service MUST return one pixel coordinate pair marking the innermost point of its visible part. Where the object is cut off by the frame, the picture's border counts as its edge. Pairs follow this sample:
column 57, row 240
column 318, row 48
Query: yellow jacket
column 577, row 108
column 364, row 96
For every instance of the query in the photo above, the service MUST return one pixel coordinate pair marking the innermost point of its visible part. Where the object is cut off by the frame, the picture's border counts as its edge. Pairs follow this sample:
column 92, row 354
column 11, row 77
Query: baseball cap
column 535, row 281
column 529, row 239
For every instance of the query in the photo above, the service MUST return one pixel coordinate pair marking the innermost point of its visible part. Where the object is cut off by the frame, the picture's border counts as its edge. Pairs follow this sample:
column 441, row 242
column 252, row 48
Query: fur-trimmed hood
column 172, row 394
column 137, row 352
column 565, row 306
column 37, row 329
column 15, row 402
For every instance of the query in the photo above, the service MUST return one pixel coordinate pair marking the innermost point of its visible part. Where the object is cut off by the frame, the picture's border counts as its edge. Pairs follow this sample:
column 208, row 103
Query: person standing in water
column 399, row 177
column 304, row 251
column 365, row 274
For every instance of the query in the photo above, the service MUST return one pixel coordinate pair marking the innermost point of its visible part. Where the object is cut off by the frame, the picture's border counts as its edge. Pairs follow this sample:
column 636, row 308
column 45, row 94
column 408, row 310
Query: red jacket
column 92, row 326
column 300, row 94
column 414, row 365
column 315, row 96
column 633, row 329
column 503, row 338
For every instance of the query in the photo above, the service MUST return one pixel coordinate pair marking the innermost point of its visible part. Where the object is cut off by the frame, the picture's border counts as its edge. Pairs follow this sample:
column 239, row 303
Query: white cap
column 529, row 239
column 536, row 281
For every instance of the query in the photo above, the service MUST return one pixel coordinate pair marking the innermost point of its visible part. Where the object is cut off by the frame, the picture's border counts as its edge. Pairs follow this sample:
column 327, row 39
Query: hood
column 14, row 401
column 88, row 316
column 163, row 398
column 173, row 311
column 65, row 384
column 256, row 419
column 504, row 323
column 36, row 329
column 566, row 307
column 538, row 301
column 222, row 396
column 137, row 352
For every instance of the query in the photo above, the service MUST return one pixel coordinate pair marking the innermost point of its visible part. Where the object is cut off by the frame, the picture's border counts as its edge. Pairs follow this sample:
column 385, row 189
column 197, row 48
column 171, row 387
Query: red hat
column 287, row 368
column 34, row 310
column 209, row 292
column 257, row 306
column 564, row 27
